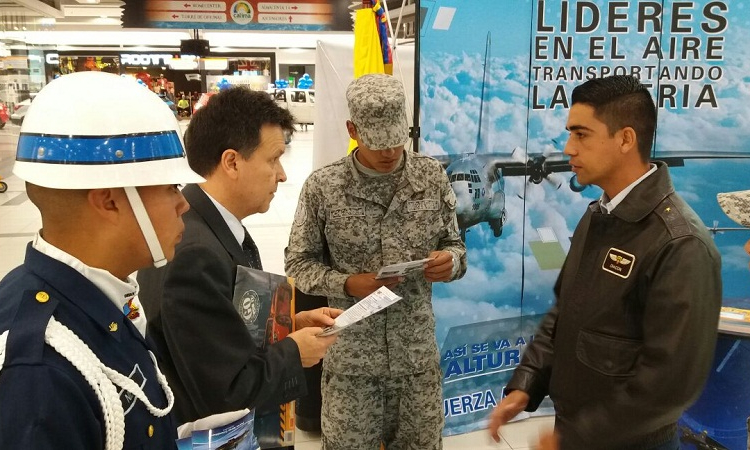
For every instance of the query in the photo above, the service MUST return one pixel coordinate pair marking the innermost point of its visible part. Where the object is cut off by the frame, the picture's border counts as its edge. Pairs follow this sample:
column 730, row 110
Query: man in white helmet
column 76, row 369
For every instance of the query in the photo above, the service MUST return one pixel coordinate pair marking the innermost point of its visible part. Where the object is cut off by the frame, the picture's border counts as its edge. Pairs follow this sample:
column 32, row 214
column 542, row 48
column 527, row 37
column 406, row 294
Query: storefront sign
column 14, row 62
column 126, row 59
column 135, row 59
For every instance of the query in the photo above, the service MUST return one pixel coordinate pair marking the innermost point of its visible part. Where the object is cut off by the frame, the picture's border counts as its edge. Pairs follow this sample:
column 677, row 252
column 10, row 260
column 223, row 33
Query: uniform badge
column 301, row 214
column 422, row 205
column 127, row 398
column 618, row 262
column 450, row 199
column 131, row 310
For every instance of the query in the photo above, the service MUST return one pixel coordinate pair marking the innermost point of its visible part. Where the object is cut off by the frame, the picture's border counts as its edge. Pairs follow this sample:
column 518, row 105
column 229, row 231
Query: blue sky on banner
column 451, row 76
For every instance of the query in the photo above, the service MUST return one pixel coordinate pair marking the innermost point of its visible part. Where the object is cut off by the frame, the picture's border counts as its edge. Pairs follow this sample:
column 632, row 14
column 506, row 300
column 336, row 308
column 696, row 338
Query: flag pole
column 414, row 132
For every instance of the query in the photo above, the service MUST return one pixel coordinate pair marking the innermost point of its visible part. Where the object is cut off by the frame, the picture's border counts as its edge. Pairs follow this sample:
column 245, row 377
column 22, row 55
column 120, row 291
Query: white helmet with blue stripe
column 93, row 130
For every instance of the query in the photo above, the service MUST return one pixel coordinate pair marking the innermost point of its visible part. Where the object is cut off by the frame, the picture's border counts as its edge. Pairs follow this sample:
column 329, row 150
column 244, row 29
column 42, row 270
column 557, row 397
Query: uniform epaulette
column 674, row 220
column 25, row 343
column 424, row 159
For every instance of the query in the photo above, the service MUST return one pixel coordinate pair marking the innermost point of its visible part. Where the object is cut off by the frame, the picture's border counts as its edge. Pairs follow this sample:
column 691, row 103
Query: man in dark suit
column 209, row 357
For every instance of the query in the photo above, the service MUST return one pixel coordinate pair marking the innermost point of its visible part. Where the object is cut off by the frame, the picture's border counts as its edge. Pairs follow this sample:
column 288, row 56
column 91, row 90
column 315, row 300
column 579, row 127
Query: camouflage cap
column 377, row 107
column 736, row 205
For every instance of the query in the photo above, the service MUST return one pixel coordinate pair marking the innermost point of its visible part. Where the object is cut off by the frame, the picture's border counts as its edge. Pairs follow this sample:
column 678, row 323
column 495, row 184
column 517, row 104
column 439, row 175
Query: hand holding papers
column 366, row 307
column 401, row 269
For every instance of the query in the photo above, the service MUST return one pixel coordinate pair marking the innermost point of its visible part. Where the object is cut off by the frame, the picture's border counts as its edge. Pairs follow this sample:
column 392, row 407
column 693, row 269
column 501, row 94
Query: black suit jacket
column 210, row 360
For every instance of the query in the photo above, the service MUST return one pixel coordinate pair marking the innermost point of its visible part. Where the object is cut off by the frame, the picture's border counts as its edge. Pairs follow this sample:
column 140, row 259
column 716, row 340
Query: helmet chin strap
column 147, row 228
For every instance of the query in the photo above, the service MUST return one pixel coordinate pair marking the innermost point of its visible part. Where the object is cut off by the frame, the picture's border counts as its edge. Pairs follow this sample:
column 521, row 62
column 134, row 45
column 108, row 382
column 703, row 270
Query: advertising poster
column 233, row 430
column 495, row 85
column 265, row 302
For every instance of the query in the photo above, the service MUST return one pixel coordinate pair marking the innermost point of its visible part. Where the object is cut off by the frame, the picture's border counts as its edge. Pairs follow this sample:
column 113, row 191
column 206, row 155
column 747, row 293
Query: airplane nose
column 463, row 197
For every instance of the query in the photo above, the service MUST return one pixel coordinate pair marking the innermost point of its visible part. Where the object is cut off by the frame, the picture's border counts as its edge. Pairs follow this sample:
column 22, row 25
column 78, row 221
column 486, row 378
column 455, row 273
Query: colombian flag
column 372, row 54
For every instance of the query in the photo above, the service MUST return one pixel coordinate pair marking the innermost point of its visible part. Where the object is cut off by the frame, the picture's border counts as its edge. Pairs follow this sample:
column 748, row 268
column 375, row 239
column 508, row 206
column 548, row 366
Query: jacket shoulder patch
column 673, row 218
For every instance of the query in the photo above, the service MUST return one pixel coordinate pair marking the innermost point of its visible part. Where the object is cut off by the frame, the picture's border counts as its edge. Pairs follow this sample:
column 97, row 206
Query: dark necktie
column 251, row 252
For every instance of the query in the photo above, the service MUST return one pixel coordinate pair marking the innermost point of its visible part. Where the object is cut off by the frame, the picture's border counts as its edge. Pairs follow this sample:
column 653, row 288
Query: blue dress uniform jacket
column 210, row 359
column 45, row 403
column 628, row 345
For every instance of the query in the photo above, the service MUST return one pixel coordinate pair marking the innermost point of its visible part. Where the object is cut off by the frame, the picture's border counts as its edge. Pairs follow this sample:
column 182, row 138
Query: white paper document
column 366, row 307
column 401, row 269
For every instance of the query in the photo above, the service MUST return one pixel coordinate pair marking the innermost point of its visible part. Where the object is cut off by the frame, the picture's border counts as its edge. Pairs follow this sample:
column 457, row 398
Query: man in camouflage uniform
column 378, row 206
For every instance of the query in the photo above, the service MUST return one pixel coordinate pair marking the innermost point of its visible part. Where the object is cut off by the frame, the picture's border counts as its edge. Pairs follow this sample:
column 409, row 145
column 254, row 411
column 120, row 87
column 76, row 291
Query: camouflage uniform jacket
column 341, row 228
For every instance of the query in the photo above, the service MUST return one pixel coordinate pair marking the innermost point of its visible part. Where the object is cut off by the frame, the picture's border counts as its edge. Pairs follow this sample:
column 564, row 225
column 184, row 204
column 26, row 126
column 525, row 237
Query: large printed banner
column 476, row 362
column 495, row 85
column 279, row 15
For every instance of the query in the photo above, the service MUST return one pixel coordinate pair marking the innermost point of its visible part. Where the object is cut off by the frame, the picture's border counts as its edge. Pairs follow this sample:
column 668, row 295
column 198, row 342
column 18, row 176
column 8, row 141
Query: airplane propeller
column 537, row 167
column 716, row 229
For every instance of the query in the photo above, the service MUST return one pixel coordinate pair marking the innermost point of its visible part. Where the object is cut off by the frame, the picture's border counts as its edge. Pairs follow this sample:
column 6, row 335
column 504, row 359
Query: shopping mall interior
column 20, row 221
column 306, row 65
column 38, row 44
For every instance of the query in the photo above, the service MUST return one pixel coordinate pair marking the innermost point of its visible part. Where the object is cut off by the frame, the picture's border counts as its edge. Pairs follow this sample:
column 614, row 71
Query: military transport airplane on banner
column 478, row 183
column 477, row 178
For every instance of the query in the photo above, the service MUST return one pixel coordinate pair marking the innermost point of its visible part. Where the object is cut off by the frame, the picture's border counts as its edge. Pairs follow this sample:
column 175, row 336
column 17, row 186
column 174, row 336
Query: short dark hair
column 233, row 119
column 621, row 101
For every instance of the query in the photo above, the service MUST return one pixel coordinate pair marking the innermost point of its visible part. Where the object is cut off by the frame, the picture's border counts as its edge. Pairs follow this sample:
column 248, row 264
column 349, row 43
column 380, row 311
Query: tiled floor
column 19, row 220
column 521, row 435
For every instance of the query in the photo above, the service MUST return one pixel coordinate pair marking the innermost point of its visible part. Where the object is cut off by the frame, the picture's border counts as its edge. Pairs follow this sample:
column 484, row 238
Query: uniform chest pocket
column 608, row 355
column 347, row 234
column 424, row 230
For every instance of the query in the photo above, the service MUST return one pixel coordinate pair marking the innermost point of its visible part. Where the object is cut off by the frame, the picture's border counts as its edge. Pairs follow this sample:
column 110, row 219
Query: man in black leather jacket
column 628, row 344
